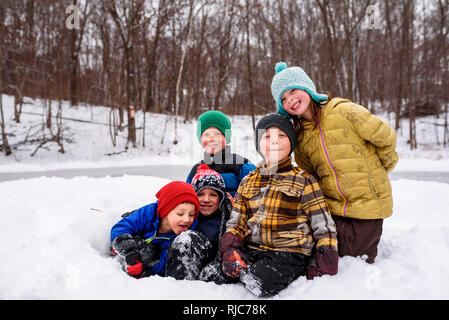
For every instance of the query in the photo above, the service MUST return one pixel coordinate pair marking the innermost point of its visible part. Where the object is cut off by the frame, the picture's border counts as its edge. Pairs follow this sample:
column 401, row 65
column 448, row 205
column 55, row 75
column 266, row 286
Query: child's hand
column 139, row 263
column 137, row 254
column 233, row 259
column 233, row 263
column 326, row 263
column 133, row 265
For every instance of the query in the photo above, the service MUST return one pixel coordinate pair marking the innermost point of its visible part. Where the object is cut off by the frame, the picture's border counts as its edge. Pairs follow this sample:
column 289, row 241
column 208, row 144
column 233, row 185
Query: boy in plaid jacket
column 278, row 219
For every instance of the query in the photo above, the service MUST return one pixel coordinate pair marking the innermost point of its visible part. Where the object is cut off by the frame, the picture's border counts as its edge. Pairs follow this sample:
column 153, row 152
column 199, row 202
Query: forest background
column 184, row 57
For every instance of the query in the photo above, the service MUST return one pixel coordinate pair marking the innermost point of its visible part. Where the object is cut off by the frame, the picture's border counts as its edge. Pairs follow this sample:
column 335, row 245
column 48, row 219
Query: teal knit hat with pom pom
column 292, row 78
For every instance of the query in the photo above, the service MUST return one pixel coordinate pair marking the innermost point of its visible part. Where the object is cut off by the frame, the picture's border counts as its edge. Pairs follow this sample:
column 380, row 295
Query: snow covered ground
column 55, row 231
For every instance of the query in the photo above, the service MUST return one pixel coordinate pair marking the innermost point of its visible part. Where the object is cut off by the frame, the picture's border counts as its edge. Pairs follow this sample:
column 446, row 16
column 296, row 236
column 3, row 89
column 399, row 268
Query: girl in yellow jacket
column 349, row 150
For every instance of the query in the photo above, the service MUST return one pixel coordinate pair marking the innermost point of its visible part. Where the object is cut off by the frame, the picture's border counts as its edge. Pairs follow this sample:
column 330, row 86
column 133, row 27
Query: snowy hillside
column 55, row 231
column 91, row 144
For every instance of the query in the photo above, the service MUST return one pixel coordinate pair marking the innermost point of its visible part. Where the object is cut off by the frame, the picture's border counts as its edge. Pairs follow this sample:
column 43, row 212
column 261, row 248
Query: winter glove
column 233, row 260
column 326, row 261
column 233, row 263
column 136, row 253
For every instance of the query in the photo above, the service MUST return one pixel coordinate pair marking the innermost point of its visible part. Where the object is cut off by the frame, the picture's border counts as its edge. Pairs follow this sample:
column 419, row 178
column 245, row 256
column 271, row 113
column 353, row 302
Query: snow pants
column 358, row 237
column 190, row 257
column 270, row 272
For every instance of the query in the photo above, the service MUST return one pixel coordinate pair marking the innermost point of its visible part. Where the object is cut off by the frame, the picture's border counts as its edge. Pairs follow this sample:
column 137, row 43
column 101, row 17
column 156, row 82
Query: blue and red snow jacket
column 145, row 223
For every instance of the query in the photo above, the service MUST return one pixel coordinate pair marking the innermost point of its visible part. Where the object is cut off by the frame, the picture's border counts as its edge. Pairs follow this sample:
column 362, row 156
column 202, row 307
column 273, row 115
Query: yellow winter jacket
column 350, row 152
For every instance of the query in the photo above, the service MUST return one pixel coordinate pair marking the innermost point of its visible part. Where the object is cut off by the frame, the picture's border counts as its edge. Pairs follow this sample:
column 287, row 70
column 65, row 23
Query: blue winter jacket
column 231, row 166
column 145, row 223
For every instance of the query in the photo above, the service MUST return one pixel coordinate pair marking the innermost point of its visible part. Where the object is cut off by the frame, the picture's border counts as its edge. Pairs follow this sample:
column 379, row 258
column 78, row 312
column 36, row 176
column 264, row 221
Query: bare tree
column 5, row 146
column 248, row 62
column 181, row 67
column 127, row 18
column 75, row 48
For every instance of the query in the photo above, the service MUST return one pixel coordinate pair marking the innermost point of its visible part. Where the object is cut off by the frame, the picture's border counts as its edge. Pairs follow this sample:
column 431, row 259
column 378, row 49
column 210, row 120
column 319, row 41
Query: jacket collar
column 224, row 156
column 283, row 166
column 325, row 109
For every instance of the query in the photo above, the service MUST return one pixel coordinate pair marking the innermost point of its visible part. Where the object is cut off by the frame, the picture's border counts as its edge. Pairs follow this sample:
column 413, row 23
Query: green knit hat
column 217, row 119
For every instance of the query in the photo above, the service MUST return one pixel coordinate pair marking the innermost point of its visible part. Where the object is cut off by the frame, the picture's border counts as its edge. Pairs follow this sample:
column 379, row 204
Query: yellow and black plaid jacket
column 282, row 209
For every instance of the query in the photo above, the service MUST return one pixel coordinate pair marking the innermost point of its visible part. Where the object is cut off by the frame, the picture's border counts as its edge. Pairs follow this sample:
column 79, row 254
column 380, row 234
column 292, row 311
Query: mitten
column 150, row 254
column 233, row 263
column 233, row 259
column 136, row 253
column 326, row 261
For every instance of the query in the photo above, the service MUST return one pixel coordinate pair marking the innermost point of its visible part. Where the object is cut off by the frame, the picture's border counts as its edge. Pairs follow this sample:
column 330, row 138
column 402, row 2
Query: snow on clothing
column 350, row 151
column 212, row 226
column 282, row 210
column 187, row 255
column 231, row 166
column 202, row 262
column 270, row 272
column 279, row 215
column 145, row 222
column 190, row 258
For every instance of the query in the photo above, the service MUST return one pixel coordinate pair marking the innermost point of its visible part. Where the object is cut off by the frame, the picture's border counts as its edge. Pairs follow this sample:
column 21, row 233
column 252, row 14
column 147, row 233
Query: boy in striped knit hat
column 203, row 261
column 278, row 219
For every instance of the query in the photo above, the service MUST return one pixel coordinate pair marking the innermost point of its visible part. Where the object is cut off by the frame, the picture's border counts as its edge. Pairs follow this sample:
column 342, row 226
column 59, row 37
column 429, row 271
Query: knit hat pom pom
column 280, row 66
column 203, row 166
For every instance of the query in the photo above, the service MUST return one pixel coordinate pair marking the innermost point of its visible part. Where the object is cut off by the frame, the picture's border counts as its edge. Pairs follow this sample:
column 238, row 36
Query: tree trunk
column 5, row 146
column 181, row 67
column 74, row 66
column 248, row 60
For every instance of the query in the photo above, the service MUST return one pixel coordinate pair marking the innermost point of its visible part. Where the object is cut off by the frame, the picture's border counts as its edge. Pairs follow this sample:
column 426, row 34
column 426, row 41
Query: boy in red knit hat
column 142, row 238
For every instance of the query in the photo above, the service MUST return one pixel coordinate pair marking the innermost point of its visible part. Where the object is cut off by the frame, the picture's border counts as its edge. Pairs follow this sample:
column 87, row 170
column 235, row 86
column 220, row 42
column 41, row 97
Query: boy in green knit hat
column 214, row 135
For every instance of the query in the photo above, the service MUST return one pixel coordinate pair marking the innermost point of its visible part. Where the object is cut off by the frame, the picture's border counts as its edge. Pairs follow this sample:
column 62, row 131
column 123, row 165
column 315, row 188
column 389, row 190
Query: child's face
column 179, row 219
column 213, row 140
column 297, row 103
column 274, row 146
column 209, row 201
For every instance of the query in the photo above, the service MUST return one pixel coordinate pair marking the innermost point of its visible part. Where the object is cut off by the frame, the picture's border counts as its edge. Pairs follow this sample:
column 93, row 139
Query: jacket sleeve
column 160, row 267
column 245, row 169
column 303, row 161
column 321, row 223
column 377, row 132
column 140, row 221
column 237, row 222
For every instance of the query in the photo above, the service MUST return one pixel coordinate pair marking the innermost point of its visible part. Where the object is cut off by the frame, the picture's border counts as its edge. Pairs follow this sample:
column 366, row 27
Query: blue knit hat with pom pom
column 292, row 78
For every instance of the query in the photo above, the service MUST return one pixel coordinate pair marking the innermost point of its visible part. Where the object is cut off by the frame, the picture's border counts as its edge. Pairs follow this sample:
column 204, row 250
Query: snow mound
column 55, row 245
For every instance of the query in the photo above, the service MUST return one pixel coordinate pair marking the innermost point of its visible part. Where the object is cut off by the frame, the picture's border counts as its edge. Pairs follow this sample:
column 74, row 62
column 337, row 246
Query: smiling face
column 179, row 219
column 297, row 103
column 213, row 140
column 274, row 146
column 209, row 201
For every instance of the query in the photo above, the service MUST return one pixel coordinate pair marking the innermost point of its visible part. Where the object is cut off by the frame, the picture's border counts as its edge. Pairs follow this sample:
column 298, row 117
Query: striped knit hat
column 208, row 178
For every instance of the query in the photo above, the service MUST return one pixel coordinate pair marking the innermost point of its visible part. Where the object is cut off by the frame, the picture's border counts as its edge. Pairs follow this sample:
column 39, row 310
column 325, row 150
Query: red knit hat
column 174, row 193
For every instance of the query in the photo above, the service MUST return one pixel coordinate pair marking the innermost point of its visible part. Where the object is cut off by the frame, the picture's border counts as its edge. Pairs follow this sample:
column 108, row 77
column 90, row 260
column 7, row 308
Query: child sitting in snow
column 142, row 238
column 279, row 215
column 214, row 135
column 215, row 208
